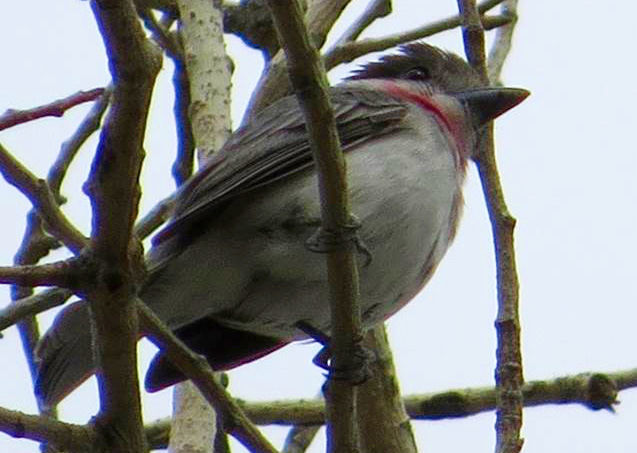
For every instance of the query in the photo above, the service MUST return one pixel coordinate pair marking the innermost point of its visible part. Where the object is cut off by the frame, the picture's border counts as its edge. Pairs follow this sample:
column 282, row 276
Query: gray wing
column 274, row 146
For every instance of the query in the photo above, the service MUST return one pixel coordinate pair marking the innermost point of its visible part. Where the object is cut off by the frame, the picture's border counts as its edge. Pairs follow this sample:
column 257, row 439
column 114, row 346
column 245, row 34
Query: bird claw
column 325, row 241
column 357, row 370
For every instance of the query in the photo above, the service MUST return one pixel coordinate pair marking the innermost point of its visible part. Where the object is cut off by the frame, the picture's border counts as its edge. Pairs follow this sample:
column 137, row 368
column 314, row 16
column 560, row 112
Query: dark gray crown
column 421, row 61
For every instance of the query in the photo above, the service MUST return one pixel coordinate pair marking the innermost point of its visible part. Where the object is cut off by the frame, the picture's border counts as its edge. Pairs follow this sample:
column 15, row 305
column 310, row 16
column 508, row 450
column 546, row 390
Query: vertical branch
column 208, row 67
column 385, row 426
column 503, row 40
column 307, row 75
column 205, row 72
column 114, row 192
column 508, row 374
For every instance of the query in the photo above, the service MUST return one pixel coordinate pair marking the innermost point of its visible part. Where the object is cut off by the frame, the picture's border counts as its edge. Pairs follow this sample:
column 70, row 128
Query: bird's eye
column 418, row 73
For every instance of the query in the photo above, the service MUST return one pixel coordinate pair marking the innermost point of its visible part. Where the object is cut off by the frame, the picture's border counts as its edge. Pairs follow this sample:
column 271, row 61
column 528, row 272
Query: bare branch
column 41, row 197
column 385, row 426
column 67, row 436
column 508, row 374
column 299, row 438
column 65, row 274
column 113, row 187
column 307, row 75
column 375, row 10
column 33, row 305
column 592, row 390
column 209, row 74
column 200, row 372
column 349, row 51
column 57, row 108
column 155, row 217
column 274, row 83
column 70, row 147
column 502, row 44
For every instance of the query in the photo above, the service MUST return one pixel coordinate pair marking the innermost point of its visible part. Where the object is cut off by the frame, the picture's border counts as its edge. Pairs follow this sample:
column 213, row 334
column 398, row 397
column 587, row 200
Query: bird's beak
column 486, row 104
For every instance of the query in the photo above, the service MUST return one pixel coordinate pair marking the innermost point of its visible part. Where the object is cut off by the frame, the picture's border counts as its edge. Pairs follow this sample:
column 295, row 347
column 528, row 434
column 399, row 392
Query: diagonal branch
column 11, row 118
column 42, row 199
column 375, row 10
column 32, row 305
column 349, row 51
column 70, row 147
column 274, row 83
column 202, row 375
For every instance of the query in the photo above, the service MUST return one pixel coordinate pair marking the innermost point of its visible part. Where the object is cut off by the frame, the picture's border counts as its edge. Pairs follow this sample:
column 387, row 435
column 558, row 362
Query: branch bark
column 205, row 71
column 307, row 75
column 114, row 193
column 43, row 200
column 199, row 371
column 592, row 390
column 57, row 108
column 508, row 374
column 273, row 83
column 344, row 52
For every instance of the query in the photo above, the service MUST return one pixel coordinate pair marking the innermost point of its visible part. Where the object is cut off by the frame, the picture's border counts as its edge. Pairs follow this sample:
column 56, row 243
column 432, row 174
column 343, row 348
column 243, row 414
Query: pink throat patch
column 427, row 104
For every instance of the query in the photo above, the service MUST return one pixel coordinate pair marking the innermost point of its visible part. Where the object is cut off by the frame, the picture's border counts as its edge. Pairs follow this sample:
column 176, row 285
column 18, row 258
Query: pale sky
column 568, row 165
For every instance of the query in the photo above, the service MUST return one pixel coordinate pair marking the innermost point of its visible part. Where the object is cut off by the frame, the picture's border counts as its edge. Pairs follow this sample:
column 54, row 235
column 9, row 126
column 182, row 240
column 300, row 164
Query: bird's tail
column 65, row 354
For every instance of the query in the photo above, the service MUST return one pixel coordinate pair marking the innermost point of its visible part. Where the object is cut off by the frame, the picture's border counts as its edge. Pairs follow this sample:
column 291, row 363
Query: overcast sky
column 568, row 164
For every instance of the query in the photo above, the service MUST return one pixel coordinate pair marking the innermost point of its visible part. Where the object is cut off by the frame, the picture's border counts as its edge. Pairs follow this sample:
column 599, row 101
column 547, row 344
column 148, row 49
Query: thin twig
column 57, row 108
column 299, row 438
column 502, row 43
column 508, row 374
column 66, row 436
column 274, row 82
column 70, row 147
column 33, row 305
column 42, row 198
column 375, row 10
column 346, row 52
column 155, row 217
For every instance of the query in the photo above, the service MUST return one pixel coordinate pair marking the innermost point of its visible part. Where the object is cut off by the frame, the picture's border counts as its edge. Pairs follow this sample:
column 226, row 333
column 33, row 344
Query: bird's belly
column 406, row 225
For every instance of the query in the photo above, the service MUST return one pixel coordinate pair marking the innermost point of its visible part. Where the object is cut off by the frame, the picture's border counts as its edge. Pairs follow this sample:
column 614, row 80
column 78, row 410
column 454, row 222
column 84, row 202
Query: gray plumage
column 231, row 272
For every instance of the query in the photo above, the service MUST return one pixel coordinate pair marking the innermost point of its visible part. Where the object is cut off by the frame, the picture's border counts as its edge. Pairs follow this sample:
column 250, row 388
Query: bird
column 233, row 272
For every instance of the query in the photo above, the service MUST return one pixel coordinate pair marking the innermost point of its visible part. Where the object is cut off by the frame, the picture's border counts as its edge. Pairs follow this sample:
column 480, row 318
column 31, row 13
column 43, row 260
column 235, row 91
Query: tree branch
column 66, row 274
column 592, row 390
column 502, row 44
column 274, row 83
column 349, row 51
column 42, row 199
column 113, row 188
column 199, row 371
column 307, row 75
column 376, row 9
column 508, row 374
column 66, row 436
column 32, row 305
column 70, row 147
column 57, row 108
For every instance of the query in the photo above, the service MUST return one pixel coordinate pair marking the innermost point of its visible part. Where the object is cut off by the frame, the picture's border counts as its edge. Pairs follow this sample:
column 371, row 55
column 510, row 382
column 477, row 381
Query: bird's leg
column 358, row 370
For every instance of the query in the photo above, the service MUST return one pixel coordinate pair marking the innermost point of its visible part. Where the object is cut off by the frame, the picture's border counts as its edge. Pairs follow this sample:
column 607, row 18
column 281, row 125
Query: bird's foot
column 356, row 370
column 325, row 241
